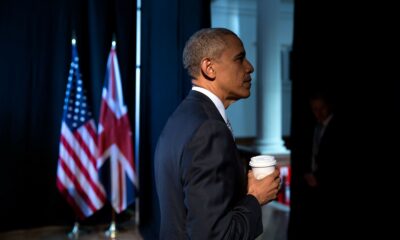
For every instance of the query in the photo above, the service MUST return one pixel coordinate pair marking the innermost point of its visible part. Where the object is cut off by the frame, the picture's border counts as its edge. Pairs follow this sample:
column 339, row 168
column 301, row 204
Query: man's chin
column 242, row 95
column 246, row 95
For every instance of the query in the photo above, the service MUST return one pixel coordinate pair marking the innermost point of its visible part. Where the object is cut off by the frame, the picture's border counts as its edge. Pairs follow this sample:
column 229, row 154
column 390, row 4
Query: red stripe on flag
column 85, row 148
column 70, row 199
column 77, row 185
column 91, row 130
column 83, row 169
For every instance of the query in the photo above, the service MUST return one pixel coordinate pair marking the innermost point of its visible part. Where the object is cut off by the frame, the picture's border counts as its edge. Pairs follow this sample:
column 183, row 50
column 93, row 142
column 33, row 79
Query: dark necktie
column 316, row 142
column 229, row 126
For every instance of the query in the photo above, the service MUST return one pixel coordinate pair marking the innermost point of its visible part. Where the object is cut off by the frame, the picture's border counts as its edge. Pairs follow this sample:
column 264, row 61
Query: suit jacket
column 328, row 155
column 201, row 181
column 312, row 208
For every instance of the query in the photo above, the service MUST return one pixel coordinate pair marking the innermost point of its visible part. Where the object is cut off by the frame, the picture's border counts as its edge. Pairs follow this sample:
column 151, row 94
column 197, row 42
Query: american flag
column 115, row 163
column 77, row 175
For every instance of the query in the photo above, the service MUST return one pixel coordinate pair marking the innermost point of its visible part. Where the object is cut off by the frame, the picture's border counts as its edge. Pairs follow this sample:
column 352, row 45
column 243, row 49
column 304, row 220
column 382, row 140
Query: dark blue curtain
column 34, row 61
column 35, row 46
column 166, row 25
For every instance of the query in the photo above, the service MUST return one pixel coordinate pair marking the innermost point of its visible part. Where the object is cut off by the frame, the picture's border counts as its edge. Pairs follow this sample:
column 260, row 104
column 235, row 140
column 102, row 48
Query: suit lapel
column 212, row 110
column 209, row 106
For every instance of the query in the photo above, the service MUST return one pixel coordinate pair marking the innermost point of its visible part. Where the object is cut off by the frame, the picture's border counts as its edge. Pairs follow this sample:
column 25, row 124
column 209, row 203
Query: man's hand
column 266, row 189
column 311, row 180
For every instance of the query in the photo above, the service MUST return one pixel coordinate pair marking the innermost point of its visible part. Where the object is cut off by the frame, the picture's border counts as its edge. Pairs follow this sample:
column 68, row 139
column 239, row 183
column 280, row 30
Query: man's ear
column 207, row 69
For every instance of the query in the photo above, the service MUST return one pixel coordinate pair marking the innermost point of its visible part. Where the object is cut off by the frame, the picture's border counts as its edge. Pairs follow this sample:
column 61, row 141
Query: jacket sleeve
column 215, row 188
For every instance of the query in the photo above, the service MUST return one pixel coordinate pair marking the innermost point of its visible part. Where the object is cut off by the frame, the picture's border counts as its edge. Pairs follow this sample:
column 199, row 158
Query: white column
column 269, row 82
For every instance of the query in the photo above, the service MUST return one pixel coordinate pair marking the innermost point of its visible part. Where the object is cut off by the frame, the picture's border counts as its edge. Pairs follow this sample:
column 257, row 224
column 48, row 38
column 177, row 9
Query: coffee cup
column 262, row 165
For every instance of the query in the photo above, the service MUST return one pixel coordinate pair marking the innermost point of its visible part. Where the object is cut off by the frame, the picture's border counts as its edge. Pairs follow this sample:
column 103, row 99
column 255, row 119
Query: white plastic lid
column 262, row 161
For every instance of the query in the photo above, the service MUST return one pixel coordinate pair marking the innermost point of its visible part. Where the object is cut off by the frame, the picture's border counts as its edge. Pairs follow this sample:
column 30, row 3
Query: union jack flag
column 115, row 163
column 77, row 175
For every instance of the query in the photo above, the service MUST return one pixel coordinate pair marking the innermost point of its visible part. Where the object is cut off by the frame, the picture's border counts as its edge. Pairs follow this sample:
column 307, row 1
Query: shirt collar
column 217, row 102
column 327, row 120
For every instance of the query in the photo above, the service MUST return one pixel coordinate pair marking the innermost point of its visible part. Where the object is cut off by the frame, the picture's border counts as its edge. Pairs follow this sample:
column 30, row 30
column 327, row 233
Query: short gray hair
column 207, row 42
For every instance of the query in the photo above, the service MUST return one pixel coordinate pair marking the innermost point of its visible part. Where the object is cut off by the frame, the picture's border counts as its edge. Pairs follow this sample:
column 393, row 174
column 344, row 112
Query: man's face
column 320, row 110
column 233, row 71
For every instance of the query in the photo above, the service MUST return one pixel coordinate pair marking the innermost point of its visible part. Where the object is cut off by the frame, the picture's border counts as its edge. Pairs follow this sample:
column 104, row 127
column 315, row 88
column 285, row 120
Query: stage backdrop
column 35, row 46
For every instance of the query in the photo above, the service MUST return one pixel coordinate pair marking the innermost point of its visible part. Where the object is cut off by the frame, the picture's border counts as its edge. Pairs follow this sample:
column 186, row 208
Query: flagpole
column 76, row 230
column 73, row 37
column 74, row 234
column 112, row 230
column 112, row 92
column 137, row 106
column 77, row 117
column 137, row 216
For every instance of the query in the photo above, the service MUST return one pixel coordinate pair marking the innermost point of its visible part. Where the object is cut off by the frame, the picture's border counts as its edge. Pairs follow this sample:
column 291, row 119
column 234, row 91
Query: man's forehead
column 233, row 43
column 230, row 38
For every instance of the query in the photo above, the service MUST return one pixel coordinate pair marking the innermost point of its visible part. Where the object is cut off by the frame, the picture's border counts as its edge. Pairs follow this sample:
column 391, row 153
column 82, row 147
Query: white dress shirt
column 217, row 102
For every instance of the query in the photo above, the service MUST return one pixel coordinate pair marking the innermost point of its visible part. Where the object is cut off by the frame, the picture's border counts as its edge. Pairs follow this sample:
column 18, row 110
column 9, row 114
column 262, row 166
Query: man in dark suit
column 322, row 138
column 322, row 168
column 203, row 188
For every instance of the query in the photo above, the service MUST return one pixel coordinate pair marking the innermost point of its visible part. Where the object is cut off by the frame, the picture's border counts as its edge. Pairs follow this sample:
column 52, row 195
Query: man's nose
column 250, row 66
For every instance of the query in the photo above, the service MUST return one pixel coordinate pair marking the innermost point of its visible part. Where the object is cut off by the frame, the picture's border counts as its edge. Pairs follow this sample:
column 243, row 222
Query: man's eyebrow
column 240, row 55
